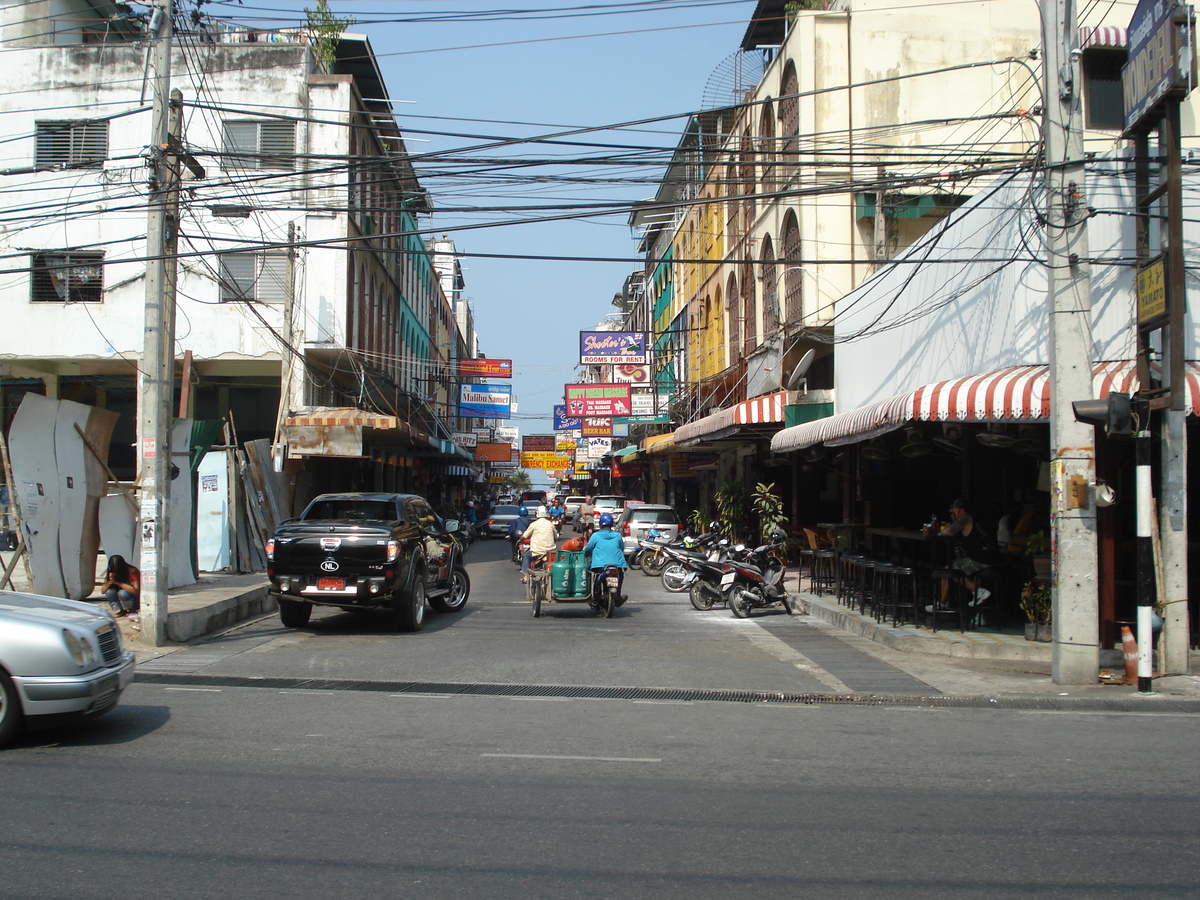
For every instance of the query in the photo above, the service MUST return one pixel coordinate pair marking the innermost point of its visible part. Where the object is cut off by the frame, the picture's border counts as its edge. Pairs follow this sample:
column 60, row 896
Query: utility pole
column 1076, row 649
column 158, row 357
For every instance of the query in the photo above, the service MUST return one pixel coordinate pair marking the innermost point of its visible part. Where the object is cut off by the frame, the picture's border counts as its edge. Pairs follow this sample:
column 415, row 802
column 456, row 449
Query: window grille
column 257, row 277
column 259, row 145
column 70, row 144
column 67, row 277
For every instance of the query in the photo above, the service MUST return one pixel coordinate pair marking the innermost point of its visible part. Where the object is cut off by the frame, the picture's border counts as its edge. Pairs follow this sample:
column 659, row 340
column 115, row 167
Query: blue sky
column 565, row 71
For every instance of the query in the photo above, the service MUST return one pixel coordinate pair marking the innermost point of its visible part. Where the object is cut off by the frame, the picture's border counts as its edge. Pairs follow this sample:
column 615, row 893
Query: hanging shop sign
column 537, row 443
column 1162, row 60
column 626, row 469
column 646, row 403
column 544, row 461
column 563, row 422
column 642, row 420
column 598, row 401
column 485, row 401
column 489, row 368
column 631, row 374
column 465, row 439
column 605, row 348
column 1152, row 293
column 597, row 428
column 493, row 452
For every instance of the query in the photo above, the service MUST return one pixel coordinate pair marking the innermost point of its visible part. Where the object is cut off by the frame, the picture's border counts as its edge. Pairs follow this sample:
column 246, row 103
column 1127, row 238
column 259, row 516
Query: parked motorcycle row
column 712, row 571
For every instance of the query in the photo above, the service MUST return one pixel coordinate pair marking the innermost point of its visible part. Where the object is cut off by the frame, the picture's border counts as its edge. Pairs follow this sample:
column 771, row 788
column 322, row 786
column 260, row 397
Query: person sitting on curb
column 122, row 587
column 542, row 537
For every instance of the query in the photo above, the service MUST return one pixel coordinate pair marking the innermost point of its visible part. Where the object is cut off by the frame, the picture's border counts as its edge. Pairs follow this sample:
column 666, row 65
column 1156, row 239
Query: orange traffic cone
column 1129, row 645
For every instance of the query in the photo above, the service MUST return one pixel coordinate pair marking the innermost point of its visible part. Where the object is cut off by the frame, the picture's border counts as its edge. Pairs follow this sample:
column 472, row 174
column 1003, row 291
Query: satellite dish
column 801, row 370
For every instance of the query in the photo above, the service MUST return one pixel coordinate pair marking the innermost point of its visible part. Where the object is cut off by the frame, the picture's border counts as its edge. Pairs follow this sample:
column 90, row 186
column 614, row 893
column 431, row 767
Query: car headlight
column 81, row 650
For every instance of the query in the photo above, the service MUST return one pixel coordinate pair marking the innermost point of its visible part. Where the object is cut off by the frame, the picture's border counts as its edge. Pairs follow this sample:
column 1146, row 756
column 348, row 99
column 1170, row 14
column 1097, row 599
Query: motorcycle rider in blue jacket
column 605, row 548
column 515, row 530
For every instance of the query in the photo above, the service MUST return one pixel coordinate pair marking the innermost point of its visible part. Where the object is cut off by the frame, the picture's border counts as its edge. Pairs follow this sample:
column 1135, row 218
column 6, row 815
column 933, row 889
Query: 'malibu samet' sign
column 612, row 348
column 598, row 401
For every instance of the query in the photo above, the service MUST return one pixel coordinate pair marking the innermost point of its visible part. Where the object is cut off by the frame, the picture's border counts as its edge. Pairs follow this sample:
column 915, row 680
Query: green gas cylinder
column 581, row 574
column 562, row 576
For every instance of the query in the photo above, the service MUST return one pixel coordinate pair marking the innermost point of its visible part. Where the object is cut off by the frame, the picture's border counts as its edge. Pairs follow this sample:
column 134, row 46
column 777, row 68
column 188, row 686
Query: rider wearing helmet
column 605, row 548
column 542, row 537
column 515, row 530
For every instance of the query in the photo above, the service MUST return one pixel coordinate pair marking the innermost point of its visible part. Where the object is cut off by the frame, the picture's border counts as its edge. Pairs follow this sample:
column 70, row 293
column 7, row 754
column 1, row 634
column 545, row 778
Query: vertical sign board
column 1162, row 60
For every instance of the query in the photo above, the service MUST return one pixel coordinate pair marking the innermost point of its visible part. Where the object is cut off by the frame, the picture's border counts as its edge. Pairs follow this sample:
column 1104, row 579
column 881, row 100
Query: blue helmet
column 606, row 520
column 523, row 511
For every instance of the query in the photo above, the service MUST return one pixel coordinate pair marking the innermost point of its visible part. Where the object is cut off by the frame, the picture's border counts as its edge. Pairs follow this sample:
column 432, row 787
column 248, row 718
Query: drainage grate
column 1071, row 704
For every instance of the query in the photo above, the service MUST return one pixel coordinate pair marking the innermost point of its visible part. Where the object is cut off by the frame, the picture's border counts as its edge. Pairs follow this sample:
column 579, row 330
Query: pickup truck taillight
column 393, row 551
column 625, row 531
column 270, row 549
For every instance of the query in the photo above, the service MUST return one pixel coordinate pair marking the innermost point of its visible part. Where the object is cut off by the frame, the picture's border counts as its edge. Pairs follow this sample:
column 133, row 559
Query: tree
column 520, row 480
column 326, row 31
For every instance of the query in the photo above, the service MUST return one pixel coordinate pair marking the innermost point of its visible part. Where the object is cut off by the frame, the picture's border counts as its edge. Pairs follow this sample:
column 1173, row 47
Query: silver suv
column 637, row 522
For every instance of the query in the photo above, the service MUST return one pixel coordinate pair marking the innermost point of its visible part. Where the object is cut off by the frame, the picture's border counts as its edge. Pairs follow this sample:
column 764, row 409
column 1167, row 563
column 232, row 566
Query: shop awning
column 1016, row 394
column 626, row 453
column 768, row 409
column 1110, row 36
column 340, row 415
column 658, row 443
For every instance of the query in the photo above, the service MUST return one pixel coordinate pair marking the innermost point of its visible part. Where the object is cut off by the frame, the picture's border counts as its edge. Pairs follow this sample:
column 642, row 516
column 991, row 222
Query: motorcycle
column 519, row 546
column 677, row 575
column 606, row 592
column 645, row 547
column 753, row 579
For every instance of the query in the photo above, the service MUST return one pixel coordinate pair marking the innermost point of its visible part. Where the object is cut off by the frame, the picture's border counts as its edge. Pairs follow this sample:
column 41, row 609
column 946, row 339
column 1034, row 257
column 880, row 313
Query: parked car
column 59, row 660
column 497, row 523
column 636, row 522
column 571, row 508
column 365, row 550
column 607, row 503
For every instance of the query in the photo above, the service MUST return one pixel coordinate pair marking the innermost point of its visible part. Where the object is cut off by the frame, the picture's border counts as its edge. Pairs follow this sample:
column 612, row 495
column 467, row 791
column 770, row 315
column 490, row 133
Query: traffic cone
column 1129, row 645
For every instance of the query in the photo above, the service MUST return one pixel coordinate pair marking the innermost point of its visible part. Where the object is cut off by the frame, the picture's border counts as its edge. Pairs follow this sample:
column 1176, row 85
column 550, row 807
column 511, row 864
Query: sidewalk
column 977, row 662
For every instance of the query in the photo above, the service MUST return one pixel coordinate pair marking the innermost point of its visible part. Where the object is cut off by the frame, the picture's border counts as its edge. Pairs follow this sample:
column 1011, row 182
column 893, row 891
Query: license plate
column 727, row 578
column 331, row 584
column 613, row 581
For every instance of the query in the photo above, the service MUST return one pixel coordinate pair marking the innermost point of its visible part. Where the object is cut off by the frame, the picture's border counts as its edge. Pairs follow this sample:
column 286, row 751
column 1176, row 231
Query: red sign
column 492, row 368
column 537, row 443
column 493, row 452
column 599, row 401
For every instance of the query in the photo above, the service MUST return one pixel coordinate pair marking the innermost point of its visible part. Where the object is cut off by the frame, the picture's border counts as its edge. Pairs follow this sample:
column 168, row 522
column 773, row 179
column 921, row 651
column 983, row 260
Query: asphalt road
column 338, row 762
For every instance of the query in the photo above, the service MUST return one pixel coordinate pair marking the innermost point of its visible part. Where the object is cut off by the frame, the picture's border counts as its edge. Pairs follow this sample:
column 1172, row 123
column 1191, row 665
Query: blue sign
column 485, row 401
column 602, row 348
column 564, row 423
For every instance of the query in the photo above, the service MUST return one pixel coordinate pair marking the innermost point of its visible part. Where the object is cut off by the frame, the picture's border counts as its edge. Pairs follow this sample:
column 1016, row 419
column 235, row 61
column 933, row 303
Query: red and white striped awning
column 761, row 410
column 341, row 415
column 1110, row 36
column 768, row 409
column 1016, row 394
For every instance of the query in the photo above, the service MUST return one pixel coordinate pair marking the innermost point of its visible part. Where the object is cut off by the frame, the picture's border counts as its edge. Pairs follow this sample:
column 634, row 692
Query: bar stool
column 824, row 572
column 903, row 598
column 956, row 603
column 865, row 573
column 848, row 578
column 881, row 588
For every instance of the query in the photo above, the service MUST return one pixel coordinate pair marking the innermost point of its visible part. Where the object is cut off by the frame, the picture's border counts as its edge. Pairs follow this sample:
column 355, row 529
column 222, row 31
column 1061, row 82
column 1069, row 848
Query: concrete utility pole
column 158, row 357
column 1076, row 653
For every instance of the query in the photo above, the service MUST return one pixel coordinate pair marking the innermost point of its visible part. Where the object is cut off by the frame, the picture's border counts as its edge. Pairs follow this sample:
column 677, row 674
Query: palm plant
column 768, row 507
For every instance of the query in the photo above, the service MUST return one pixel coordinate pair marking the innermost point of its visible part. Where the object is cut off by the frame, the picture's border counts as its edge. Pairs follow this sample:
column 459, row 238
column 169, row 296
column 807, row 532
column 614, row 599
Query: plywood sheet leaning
column 31, row 448
column 57, row 447
column 180, row 568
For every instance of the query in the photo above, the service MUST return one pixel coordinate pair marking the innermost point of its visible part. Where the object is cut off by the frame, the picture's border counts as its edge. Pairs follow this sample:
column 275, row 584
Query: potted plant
column 768, row 507
column 1037, row 604
column 1037, row 548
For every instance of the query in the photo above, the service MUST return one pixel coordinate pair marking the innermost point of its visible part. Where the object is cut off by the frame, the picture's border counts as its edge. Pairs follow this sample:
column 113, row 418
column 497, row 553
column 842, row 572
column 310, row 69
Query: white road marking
column 624, row 759
column 196, row 690
column 764, row 640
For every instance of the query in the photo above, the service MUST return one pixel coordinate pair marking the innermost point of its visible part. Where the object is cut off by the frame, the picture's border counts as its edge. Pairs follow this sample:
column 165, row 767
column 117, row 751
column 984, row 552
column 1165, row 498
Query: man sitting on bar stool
column 971, row 547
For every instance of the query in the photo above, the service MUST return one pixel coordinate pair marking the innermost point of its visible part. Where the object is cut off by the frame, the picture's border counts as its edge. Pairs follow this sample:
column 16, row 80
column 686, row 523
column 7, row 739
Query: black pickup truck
column 358, row 551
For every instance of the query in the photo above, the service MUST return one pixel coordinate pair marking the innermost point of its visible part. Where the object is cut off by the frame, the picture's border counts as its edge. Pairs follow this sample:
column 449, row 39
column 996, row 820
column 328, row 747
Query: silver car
column 59, row 660
column 636, row 523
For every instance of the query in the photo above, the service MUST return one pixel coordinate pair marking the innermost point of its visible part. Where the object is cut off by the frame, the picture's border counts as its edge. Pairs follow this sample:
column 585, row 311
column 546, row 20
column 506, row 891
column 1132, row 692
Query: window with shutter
column 69, row 144
column 67, row 277
column 237, row 276
column 259, row 145
column 258, row 277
